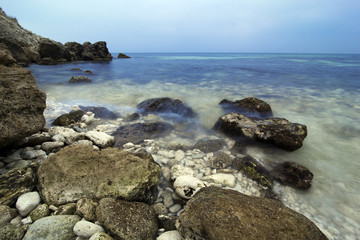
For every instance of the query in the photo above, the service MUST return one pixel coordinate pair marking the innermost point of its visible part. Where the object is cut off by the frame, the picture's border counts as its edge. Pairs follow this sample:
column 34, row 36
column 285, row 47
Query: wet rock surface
column 127, row 220
column 80, row 172
column 80, row 79
column 276, row 131
column 248, row 106
column 293, row 174
column 215, row 213
column 68, row 118
column 100, row 112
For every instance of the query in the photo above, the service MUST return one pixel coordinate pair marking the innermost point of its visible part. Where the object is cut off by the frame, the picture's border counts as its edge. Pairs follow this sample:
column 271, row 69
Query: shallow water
column 320, row 91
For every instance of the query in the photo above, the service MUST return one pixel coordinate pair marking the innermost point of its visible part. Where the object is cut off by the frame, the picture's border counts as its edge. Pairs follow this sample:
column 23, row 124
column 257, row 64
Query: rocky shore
column 95, row 174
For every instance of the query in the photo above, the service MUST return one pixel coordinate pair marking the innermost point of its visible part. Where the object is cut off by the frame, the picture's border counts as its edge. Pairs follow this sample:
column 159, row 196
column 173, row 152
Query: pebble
column 179, row 155
column 226, row 180
column 88, row 118
column 100, row 139
column 128, row 145
column 179, row 170
column 49, row 146
column 100, row 236
column 86, row 229
column 175, row 208
column 32, row 154
column 25, row 221
column 170, row 235
column 27, row 202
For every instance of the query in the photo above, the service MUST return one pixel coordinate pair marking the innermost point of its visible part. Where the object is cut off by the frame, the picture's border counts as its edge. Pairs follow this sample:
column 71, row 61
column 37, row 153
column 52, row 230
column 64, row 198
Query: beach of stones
column 190, row 167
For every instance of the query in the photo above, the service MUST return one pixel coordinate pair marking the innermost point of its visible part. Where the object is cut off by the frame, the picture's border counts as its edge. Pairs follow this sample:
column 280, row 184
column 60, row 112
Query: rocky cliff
column 27, row 47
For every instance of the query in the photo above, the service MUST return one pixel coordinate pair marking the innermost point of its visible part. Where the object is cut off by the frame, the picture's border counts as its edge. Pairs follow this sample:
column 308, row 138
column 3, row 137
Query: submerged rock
column 22, row 105
column 127, row 220
column 165, row 105
column 138, row 132
column 248, row 106
column 80, row 172
column 277, row 131
column 293, row 174
column 253, row 170
column 215, row 213
column 210, row 145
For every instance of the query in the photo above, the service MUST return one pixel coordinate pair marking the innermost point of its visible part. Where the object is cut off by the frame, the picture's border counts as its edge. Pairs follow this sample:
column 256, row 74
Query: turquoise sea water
column 321, row 91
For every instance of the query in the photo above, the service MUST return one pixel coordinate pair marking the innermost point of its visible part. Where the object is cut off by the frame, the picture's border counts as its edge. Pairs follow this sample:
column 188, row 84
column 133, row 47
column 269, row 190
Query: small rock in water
column 179, row 155
column 80, row 80
column 86, row 229
column 226, row 180
column 27, row 202
column 179, row 170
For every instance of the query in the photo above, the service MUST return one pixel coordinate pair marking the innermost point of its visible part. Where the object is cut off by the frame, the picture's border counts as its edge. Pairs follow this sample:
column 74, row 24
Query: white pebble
column 86, row 229
column 170, row 235
column 27, row 202
column 128, row 145
column 175, row 208
column 179, row 155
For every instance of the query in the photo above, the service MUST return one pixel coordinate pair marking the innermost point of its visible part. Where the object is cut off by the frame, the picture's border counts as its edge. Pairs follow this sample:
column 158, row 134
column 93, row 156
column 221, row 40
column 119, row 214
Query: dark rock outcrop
column 127, row 220
column 293, row 174
column 76, row 50
column 248, row 106
column 22, row 105
column 276, row 131
column 17, row 182
column 100, row 112
column 80, row 172
column 165, row 105
column 138, row 132
column 254, row 170
column 121, row 55
column 68, row 118
column 215, row 213
column 96, row 52
column 54, row 50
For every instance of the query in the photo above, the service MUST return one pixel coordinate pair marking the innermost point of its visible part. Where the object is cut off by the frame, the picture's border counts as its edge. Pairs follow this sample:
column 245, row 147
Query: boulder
column 209, row 145
column 22, row 105
column 100, row 112
column 17, row 182
column 293, row 174
column 121, row 55
column 69, row 118
column 78, row 171
column 53, row 227
column 10, row 232
column 276, row 131
column 75, row 49
column 253, row 170
column 138, row 132
column 216, row 213
column 96, row 52
column 127, row 220
column 165, row 105
column 248, row 106
column 80, row 80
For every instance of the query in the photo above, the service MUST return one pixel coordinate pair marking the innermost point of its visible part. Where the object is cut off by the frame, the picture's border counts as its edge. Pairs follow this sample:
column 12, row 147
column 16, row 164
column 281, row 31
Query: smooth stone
column 40, row 212
column 100, row 236
column 128, row 145
column 226, row 180
column 27, row 220
column 100, row 139
column 86, row 229
column 32, row 154
column 179, row 155
column 84, row 142
column 51, row 146
column 186, row 186
column 27, row 202
column 175, row 208
column 170, row 235
column 179, row 170
column 58, row 227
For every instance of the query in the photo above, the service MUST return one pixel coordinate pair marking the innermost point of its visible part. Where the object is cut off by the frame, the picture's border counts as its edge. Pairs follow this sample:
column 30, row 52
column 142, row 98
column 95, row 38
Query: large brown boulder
column 75, row 49
column 276, row 131
column 127, row 220
column 215, row 213
column 96, row 52
column 22, row 105
column 80, row 172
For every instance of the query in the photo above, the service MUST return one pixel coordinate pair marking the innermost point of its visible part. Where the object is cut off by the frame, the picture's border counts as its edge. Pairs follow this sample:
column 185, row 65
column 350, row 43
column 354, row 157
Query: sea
column 321, row 91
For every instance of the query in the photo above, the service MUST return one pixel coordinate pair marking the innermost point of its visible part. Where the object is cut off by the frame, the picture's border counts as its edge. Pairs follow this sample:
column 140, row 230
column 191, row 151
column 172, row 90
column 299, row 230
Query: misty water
column 321, row 91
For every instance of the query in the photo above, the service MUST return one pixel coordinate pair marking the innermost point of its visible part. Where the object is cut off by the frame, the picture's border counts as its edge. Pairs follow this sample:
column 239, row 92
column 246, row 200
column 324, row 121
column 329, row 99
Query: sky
column 259, row 26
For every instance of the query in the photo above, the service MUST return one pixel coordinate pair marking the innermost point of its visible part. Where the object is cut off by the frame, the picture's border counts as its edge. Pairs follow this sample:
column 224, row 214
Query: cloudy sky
column 275, row 26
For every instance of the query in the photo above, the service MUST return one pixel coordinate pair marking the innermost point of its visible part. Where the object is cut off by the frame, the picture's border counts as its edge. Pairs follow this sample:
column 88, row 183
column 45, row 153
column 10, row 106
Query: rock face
column 53, row 227
column 248, row 106
column 138, row 132
column 22, row 105
column 165, row 105
column 215, row 213
column 127, row 220
column 80, row 172
column 16, row 182
column 293, row 174
column 277, row 131
column 27, row 47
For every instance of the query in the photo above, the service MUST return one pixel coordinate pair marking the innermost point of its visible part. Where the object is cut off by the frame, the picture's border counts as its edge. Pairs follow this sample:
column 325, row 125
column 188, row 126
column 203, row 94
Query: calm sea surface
column 321, row 91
